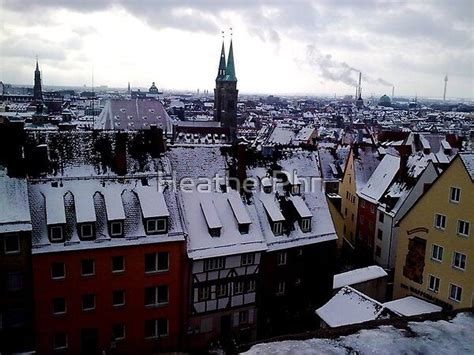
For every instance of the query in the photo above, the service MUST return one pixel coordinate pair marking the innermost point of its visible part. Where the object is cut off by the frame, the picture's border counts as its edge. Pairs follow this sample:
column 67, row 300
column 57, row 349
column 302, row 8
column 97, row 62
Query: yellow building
column 360, row 165
column 435, row 252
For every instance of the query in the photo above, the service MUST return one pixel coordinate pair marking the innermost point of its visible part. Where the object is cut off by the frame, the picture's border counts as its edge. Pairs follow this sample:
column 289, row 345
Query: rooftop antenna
column 445, row 86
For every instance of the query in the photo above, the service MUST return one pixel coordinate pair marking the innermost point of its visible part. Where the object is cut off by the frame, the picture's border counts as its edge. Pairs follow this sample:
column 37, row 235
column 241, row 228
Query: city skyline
column 299, row 48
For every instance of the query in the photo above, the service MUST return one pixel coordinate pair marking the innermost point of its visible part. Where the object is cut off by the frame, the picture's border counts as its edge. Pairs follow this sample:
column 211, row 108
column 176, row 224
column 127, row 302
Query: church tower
column 226, row 93
column 37, row 91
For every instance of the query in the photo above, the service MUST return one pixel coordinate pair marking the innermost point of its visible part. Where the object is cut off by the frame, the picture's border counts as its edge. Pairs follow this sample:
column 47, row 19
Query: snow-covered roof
column 14, row 204
column 201, row 244
column 365, row 164
column 113, row 205
column 85, row 211
column 349, row 306
column 358, row 276
column 468, row 160
column 381, row 178
column 411, row 306
column 238, row 208
column 209, row 210
column 452, row 336
column 126, row 199
column 300, row 205
column 152, row 202
column 271, row 206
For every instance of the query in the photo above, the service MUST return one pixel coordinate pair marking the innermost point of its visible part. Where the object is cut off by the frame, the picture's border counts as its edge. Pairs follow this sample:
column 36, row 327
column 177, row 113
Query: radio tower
column 445, row 85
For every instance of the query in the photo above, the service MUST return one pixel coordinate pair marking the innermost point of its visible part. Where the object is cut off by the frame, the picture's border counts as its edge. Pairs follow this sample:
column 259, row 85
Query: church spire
column 37, row 90
column 230, row 69
column 221, row 70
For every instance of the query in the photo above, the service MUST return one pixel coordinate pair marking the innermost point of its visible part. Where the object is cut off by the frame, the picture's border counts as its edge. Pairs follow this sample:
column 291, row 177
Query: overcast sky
column 286, row 46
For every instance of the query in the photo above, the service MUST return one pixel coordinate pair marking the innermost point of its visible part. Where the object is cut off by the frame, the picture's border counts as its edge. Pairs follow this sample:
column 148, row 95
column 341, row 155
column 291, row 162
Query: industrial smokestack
column 445, row 85
column 393, row 92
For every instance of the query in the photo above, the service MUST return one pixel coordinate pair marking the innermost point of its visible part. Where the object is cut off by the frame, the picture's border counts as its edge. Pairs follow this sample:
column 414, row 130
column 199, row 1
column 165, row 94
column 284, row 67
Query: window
column 362, row 203
column 306, row 224
column 281, row 258
column 118, row 298
column 281, row 288
column 88, row 302
column 118, row 331
column 352, row 217
column 433, row 283
column 440, row 221
column 155, row 328
column 204, row 293
column 345, row 211
column 87, row 267
column 156, row 225
column 455, row 292
column 381, row 217
column 243, row 317
column 379, row 234
column 277, row 228
column 378, row 251
column 247, row 259
column 157, row 262
column 14, row 281
column 221, row 290
column 437, row 253
column 56, row 233
column 58, row 271
column 251, row 285
column 238, row 287
column 156, row 295
column 372, row 209
column 116, row 229
column 87, row 231
column 11, row 244
column 454, row 194
column 459, row 260
column 60, row 341
column 463, row 228
column 118, row 264
column 214, row 264
column 59, row 306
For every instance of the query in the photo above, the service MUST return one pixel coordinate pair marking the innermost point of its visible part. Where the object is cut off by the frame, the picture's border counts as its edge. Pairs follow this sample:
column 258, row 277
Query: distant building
column 226, row 93
column 37, row 89
column 385, row 101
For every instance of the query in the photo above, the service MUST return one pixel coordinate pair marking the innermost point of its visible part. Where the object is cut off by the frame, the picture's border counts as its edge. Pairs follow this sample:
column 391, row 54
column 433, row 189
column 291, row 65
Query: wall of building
column 133, row 281
column 419, row 222
column 347, row 191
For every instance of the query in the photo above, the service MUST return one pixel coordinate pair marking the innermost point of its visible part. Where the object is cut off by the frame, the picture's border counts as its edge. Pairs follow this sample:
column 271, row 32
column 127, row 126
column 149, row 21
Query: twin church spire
column 226, row 72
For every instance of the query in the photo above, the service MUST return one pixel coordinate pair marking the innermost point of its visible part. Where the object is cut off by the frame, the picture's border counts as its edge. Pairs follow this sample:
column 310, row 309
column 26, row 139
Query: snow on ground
column 439, row 337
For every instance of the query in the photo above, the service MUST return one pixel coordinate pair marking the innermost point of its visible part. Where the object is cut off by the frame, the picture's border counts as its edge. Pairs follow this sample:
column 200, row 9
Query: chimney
column 156, row 139
column 120, row 154
column 404, row 152
column 241, row 162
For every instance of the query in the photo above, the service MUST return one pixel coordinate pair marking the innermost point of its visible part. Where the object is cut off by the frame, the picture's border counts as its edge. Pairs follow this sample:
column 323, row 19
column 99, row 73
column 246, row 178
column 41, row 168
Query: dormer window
column 215, row 232
column 305, row 224
column 116, row 229
column 244, row 228
column 277, row 228
column 267, row 189
column 56, row 234
column 156, row 226
column 295, row 189
column 87, row 231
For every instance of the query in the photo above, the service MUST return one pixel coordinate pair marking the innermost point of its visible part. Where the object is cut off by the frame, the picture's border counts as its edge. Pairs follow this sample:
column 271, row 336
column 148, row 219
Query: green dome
column 384, row 99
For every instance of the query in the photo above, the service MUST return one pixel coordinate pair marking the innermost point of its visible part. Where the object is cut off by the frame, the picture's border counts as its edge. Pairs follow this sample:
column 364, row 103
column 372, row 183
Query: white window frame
column 89, row 225
column 156, row 298
column 281, row 258
column 306, row 224
column 118, row 271
column 214, row 264
column 156, row 222
column 437, row 282
column 437, row 254
column 51, row 233
column 281, row 288
column 123, row 331
column 247, row 259
column 457, row 195
column 118, row 304
column 204, row 293
column 64, row 271
column 277, row 228
column 251, row 285
column 65, row 307
column 16, row 251
column 239, row 287
column 82, row 303
column 461, row 255
column 221, row 290
column 60, row 347
column 93, row 267
column 440, row 218
column 115, row 223
column 157, row 335
column 157, row 258
column 243, row 317
column 459, row 227
column 457, row 288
